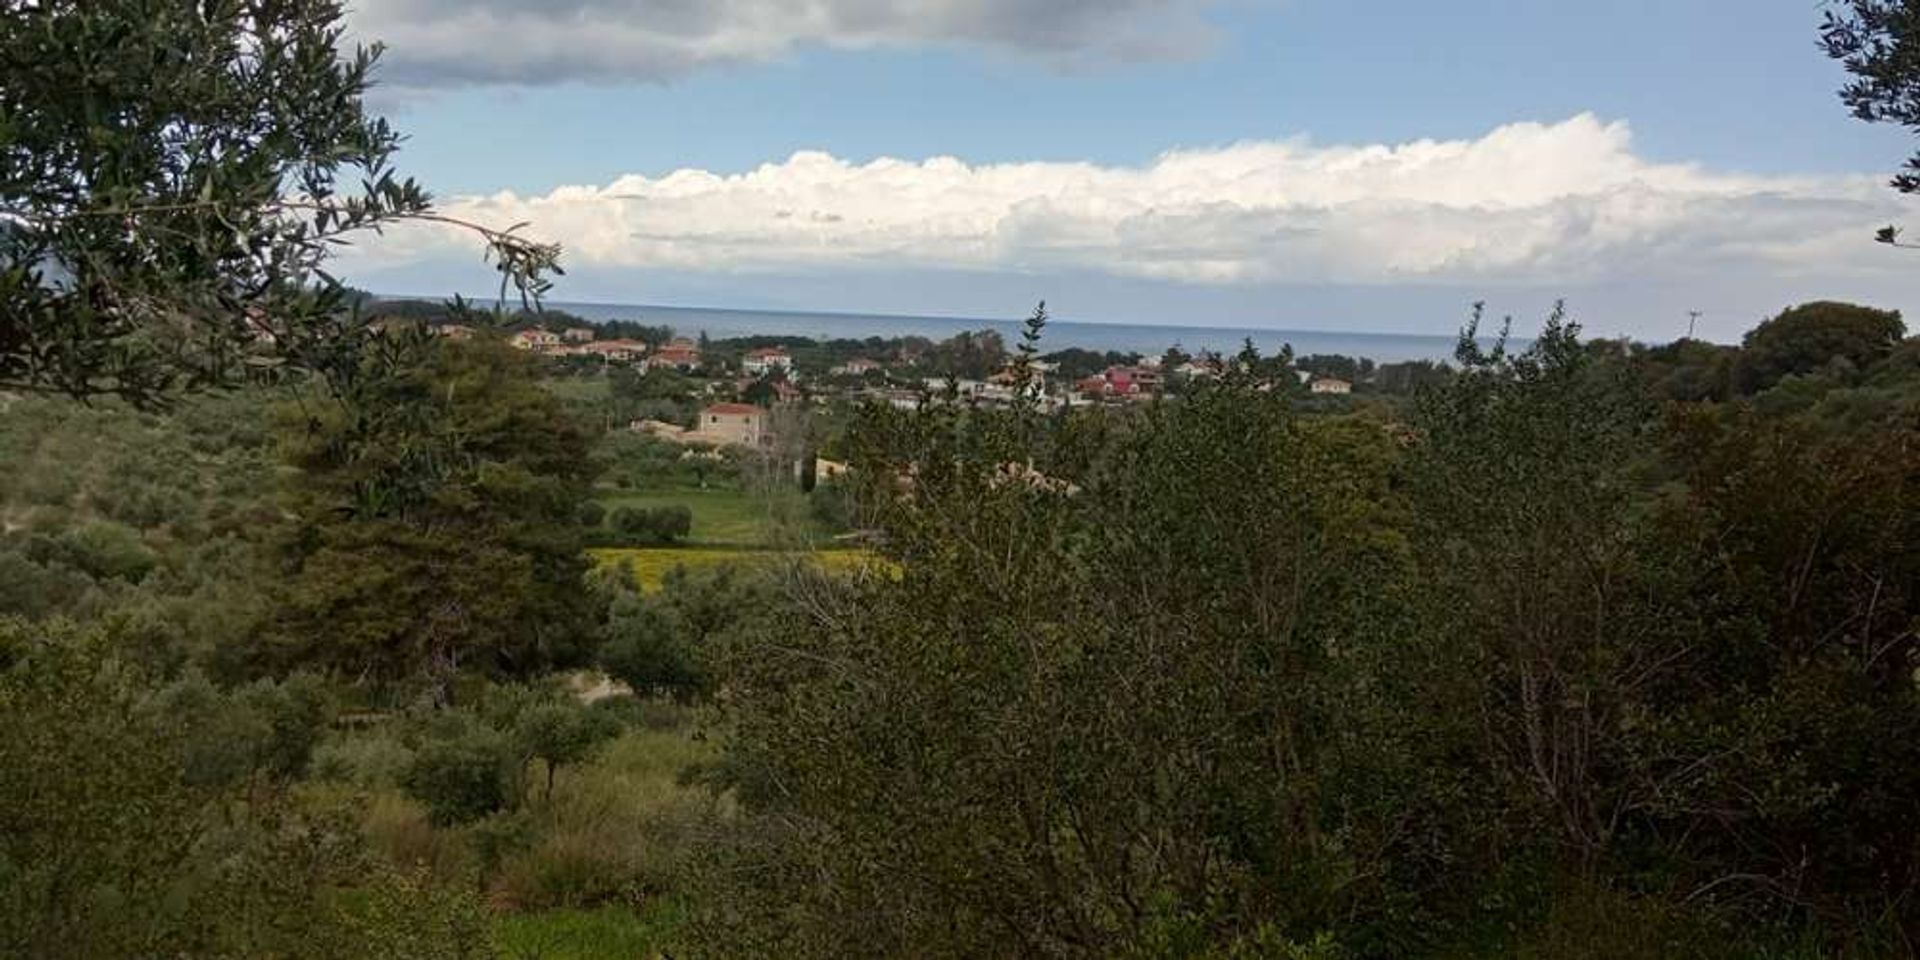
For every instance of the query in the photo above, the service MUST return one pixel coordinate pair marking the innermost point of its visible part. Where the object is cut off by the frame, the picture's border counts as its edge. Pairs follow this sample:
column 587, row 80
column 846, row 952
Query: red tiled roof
column 736, row 409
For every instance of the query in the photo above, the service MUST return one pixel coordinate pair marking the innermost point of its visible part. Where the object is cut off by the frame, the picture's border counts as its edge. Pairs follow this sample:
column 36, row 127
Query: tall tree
column 439, row 506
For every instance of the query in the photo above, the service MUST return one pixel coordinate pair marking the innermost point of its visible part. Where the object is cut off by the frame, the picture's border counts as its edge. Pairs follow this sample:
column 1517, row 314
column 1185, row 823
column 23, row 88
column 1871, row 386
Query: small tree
column 562, row 732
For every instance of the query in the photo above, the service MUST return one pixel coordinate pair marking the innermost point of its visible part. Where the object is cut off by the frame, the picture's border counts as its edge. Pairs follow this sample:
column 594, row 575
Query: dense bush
column 1813, row 335
column 125, row 831
column 1549, row 671
column 653, row 525
column 661, row 644
column 463, row 771
column 370, row 761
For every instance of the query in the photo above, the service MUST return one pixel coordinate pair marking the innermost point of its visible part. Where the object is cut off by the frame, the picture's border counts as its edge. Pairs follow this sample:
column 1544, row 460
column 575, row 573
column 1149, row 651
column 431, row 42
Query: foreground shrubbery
column 612, row 829
column 134, row 825
column 1556, row 665
column 140, row 818
column 1548, row 671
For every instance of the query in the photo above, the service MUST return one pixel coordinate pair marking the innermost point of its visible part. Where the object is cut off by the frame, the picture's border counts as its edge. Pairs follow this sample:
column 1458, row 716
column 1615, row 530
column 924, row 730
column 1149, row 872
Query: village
column 725, row 393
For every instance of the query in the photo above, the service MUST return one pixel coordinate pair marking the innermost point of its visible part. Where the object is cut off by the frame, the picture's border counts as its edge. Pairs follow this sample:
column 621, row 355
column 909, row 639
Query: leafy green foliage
column 1056, row 717
column 126, row 829
column 98, row 817
column 439, row 512
column 463, row 771
column 637, row 461
column 163, row 524
column 174, row 179
column 1552, row 669
column 562, row 733
column 1350, row 369
column 660, row 643
column 652, row 525
column 1074, row 363
column 1813, row 335
column 1876, row 40
column 265, row 729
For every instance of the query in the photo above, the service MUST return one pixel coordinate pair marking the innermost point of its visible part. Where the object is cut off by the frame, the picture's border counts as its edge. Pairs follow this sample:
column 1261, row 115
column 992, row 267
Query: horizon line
column 946, row 318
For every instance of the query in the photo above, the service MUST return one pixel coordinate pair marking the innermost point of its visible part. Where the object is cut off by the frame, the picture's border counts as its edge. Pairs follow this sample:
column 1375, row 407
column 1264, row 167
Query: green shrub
column 407, row 916
column 592, row 514
column 268, row 728
column 617, row 829
column 653, row 525
column 109, row 550
column 647, row 651
column 462, row 772
column 365, row 760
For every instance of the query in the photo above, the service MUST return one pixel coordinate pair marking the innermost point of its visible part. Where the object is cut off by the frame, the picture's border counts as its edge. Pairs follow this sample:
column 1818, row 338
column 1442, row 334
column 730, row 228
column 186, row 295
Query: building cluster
column 575, row 342
column 768, row 377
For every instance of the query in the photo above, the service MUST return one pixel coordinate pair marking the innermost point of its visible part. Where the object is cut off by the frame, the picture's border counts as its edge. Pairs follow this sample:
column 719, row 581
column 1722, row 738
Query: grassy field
column 585, row 389
column 605, row 933
column 649, row 566
column 720, row 517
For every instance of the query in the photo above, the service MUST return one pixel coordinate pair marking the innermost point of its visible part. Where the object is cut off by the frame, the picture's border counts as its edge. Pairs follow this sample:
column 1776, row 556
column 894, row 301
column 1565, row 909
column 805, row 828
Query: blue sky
column 1711, row 113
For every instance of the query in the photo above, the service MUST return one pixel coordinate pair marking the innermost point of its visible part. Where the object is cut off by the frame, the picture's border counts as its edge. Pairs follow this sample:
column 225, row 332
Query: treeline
column 972, row 354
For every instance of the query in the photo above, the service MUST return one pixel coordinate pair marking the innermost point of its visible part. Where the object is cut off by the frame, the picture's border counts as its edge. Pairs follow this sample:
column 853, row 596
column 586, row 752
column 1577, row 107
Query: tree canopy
column 173, row 178
column 440, row 510
column 1809, row 336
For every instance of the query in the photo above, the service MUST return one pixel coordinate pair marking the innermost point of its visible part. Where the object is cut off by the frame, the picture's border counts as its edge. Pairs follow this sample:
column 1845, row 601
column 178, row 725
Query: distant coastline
column 721, row 322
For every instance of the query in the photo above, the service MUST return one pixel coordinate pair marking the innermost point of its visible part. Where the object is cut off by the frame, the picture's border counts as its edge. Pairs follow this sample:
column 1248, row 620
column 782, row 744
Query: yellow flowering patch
column 649, row 565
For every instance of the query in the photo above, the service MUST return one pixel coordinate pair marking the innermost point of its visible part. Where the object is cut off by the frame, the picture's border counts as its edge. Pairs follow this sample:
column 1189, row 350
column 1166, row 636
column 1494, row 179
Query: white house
column 765, row 360
column 535, row 339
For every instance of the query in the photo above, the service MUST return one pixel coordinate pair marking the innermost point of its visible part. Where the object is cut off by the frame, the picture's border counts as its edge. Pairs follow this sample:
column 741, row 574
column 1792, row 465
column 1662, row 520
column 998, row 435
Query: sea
column 1122, row 337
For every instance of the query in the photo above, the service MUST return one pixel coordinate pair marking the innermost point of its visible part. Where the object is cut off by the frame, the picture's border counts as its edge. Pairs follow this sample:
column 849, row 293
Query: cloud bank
column 453, row 42
column 1561, row 203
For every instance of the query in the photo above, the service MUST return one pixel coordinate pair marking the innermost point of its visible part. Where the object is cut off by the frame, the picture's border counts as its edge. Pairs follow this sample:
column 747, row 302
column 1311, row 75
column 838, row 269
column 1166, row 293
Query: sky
column 1288, row 164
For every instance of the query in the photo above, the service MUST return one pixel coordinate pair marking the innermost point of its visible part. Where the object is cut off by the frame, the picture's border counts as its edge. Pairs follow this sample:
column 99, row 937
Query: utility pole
column 1693, row 317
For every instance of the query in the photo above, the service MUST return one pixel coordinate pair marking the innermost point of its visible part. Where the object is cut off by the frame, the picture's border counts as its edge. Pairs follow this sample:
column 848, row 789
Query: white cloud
column 441, row 42
column 1568, row 202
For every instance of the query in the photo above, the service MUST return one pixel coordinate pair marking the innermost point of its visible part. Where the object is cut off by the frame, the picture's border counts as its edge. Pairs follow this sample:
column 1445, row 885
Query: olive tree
column 173, row 179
